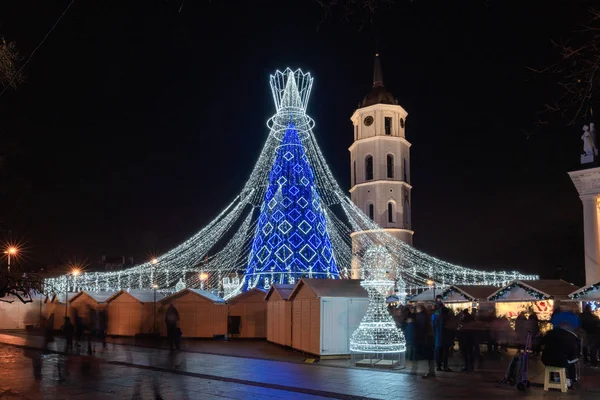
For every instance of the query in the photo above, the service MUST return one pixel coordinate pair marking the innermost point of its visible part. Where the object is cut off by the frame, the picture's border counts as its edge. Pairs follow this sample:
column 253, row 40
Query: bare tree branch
column 10, row 75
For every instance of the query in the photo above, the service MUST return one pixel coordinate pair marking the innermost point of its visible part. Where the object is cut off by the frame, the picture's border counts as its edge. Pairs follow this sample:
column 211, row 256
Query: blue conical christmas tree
column 291, row 239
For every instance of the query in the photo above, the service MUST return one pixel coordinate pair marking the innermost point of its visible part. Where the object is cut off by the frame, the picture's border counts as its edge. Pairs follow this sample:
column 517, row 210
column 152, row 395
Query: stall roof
column 284, row 290
column 332, row 287
column 199, row 292
column 427, row 295
column 551, row 288
column 60, row 297
column 242, row 295
column 143, row 296
column 99, row 297
column 587, row 293
column 477, row 292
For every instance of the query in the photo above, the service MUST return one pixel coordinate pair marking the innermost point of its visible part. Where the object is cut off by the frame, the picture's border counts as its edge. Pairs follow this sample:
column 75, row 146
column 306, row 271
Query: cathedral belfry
column 380, row 161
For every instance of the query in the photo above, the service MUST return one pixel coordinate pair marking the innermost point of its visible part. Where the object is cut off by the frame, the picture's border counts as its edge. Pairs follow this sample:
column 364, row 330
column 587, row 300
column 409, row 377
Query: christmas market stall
column 537, row 296
column 132, row 312
column 248, row 315
column 14, row 314
column 201, row 313
column 56, row 308
column 425, row 295
column 588, row 295
column 279, row 314
column 87, row 305
column 325, row 312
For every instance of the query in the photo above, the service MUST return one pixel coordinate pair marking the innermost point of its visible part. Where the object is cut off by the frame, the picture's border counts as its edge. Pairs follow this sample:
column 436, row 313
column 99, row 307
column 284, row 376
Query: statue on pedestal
column 590, row 151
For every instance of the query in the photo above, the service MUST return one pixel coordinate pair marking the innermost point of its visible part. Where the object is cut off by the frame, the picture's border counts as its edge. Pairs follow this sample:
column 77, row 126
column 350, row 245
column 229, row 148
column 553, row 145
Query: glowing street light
column 431, row 284
column 74, row 272
column 11, row 251
column 203, row 278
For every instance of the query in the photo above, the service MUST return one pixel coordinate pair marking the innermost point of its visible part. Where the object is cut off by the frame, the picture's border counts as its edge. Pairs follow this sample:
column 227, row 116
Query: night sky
column 138, row 123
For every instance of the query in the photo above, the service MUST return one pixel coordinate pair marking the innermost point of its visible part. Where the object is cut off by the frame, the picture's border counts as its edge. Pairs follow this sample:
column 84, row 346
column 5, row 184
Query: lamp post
column 10, row 251
column 154, row 261
column 74, row 273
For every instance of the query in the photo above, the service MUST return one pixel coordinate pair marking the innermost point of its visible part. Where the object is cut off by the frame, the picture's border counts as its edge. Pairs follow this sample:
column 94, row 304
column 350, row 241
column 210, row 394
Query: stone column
column 587, row 183
column 591, row 239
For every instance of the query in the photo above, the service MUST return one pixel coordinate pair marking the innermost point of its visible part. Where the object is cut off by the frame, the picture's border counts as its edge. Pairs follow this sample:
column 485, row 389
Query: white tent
column 14, row 314
column 325, row 312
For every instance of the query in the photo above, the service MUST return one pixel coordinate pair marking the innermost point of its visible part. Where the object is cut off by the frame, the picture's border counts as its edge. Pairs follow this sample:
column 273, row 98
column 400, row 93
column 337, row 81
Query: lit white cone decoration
column 377, row 332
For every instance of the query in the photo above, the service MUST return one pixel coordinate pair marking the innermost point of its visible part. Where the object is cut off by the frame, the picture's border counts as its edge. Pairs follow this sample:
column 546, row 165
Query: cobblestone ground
column 128, row 372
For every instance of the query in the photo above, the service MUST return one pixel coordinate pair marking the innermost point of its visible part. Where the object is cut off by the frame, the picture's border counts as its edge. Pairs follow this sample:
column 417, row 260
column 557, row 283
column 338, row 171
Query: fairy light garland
column 291, row 91
column 531, row 292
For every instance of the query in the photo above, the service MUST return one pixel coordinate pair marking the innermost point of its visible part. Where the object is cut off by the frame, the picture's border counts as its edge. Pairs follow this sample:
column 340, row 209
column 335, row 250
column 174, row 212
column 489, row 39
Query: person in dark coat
column 590, row 324
column 521, row 330
column 441, row 334
column 68, row 330
column 424, row 339
column 561, row 349
column 171, row 319
column 466, row 340
column 408, row 329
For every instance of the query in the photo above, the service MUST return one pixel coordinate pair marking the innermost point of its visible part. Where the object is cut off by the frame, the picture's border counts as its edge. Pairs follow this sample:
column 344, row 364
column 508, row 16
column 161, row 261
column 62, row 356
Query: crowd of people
column 433, row 329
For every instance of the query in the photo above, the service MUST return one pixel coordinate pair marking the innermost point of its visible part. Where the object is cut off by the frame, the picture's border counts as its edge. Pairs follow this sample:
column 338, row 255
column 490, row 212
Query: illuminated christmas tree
column 291, row 239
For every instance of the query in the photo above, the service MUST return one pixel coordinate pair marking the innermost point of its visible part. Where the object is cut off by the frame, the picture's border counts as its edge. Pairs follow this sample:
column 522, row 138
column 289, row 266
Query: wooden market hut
column 539, row 295
column 84, row 303
column 201, row 313
column 14, row 314
column 325, row 313
column 279, row 314
column 248, row 311
column 132, row 312
column 55, row 308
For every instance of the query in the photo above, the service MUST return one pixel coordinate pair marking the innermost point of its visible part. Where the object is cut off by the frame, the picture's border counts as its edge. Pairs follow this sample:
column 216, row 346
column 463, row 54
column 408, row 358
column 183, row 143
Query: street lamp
column 431, row 284
column 154, row 261
column 203, row 278
column 155, row 286
column 74, row 273
column 10, row 251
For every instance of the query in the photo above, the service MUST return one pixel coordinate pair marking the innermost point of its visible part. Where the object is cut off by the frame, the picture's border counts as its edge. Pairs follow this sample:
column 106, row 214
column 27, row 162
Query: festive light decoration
column 377, row 333
column 501, row 294
column 291, row 239
column 586, row 290
column 223, row 260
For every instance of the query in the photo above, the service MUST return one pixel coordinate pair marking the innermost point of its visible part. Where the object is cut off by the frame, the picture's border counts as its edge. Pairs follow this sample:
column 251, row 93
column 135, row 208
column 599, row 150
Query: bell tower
column 380, row 161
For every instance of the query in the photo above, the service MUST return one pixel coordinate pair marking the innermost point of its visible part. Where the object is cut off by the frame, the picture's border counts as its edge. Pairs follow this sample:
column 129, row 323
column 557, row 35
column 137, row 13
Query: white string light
column 206, row 253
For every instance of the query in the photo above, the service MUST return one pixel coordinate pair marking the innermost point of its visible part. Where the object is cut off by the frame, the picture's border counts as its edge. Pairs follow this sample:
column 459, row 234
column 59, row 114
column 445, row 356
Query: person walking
column 590, row 324
column 424, row 340
column 171, row 319
column 68, row 330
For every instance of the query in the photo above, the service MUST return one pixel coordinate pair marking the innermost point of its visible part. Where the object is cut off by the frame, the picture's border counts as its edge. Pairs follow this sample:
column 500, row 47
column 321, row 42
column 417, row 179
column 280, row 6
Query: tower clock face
column 368, row 120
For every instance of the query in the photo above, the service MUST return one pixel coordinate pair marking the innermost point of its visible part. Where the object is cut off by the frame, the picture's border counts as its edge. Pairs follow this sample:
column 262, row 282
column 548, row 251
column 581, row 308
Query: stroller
column 518, row 368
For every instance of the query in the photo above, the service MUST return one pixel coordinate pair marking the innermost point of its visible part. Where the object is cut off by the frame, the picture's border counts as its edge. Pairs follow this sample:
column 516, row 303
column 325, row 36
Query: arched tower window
column 390, row 212
column 369, row 168
column 371, row 211
column 390, row 166
column 404, row 171
column 406, row 213
column 354, row 173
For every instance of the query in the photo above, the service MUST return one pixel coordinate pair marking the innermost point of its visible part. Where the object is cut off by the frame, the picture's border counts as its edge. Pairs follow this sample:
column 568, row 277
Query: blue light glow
column 291, row 239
